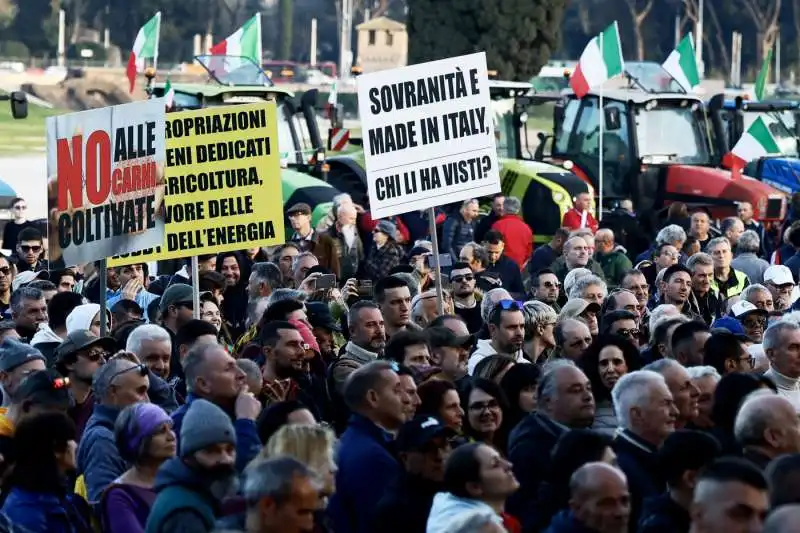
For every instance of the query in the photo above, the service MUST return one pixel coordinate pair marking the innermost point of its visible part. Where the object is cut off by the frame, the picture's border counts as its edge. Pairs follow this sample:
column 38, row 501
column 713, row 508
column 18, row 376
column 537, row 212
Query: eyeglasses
column 628, row 333
column 26, row 248
column 95, row 355
column 140, row 368
column 749, row 360
column 754, row 322
column 462, row 279
column 481, row 406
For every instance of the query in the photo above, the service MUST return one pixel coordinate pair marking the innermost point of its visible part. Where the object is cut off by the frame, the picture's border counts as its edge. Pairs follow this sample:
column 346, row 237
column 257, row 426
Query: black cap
column 43, row 387
column 319, row 315
column 441, row 336
column 419, row 431
column 81, row 339
column 178, row 293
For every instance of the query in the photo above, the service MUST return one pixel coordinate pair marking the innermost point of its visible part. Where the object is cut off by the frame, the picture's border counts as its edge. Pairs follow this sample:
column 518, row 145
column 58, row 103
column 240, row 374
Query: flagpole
column 600, row 145
column 158, row 38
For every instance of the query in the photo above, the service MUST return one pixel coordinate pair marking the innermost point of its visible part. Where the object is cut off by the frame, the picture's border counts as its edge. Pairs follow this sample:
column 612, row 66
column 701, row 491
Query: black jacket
column 509, row 273
column 639, row 462
column 757, row 458
column 529, row 447
column 660, row 514
column 405, row 506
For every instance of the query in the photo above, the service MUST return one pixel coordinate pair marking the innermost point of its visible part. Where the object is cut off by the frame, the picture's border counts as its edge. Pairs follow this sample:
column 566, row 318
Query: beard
column 349, row 234
column 224, row 482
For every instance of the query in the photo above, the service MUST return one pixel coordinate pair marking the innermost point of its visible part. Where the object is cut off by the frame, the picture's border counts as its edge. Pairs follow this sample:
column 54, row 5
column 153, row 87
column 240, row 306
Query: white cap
column 743, row 307
column 26, row 277
column 779, row 275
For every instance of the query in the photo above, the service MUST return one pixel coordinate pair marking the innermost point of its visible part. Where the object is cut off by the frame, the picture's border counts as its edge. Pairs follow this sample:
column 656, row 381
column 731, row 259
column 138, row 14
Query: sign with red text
column 105, row 184
column 428, row 134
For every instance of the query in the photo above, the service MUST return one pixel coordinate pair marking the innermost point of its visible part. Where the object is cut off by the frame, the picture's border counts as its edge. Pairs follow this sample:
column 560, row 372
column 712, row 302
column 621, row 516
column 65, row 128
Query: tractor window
column 564, row 132
column 668, row 134
column 287, row 143
column 585, row 137
column 783, row 136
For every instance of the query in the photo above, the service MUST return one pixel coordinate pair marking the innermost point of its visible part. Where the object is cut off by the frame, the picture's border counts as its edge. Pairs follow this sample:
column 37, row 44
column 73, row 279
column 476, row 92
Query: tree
column 518, row 36
column 639, row 11
column 764, row 14
column 30, row 26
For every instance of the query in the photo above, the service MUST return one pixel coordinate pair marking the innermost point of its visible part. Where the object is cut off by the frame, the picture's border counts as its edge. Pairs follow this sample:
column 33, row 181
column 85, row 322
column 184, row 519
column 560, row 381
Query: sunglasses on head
column 508, row 305
column 138, row 368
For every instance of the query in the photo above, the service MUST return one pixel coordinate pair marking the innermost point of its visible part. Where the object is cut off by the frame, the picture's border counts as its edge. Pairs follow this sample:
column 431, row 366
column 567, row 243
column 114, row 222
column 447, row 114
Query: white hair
column 671, row 234
column 489, row 302
column 661, row 365
column 547, row 382
column 633, row 390
column 699, row 372
column 573, row 276
column 751, row 289
column 749, row 242
column 660, row 312
column 772, row 337
column 341, row 199
column 146, row 332
column 713, row 243
column 793, row 317
column 576, row 291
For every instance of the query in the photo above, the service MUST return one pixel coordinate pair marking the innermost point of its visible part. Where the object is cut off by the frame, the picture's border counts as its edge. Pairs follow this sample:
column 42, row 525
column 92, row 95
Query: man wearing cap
column 304, row 235
column 676, row 288
column 27, row 277
column 17, row 360
column 41, row 391
column 324, row 328
column 780, row 282
column 191, row 487
column 385, row 253
column 582, row 310
column 423, row 447
column 450, row 352
column 28, row 310
column 78, row 358
column 752, row 319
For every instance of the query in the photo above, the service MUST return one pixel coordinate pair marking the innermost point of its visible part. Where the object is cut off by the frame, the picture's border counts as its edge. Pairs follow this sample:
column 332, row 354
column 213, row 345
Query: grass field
column 24, row 136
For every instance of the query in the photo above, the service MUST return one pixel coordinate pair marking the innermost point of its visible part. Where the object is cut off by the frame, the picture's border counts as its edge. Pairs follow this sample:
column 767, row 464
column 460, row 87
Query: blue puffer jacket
column 455, row 234
column 39, row 512
column 98, row 457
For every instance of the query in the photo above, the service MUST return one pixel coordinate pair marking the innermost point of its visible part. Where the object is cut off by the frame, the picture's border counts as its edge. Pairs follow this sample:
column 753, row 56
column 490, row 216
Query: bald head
column 768, row 421
column 783, row 519
column 593, row 477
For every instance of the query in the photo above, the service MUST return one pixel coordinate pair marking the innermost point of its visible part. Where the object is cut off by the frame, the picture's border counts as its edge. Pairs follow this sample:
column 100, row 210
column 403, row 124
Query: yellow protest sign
column 222, row 184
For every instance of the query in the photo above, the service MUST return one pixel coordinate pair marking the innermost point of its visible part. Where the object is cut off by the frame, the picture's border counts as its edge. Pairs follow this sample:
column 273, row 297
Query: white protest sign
column 428, row 135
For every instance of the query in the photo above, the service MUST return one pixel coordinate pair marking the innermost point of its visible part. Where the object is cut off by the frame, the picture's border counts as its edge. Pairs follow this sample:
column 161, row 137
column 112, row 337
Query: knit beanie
column 205, row 424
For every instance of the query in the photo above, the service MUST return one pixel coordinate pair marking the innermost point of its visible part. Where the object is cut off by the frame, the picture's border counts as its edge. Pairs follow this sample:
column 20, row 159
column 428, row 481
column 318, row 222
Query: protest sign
column 223, row 185
column 428, row 135
column 105, row 184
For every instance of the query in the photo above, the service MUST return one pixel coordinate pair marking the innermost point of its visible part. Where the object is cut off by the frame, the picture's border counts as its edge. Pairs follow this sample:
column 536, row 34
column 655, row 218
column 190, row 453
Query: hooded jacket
column 81, row 317
column 98, row 458
column 447, row 507
column 46, row 341
column 185, row 503
column 484, row 349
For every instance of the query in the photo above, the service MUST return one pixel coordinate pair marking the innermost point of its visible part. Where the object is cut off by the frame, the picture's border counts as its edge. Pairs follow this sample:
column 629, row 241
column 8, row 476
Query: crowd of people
column 572, row 387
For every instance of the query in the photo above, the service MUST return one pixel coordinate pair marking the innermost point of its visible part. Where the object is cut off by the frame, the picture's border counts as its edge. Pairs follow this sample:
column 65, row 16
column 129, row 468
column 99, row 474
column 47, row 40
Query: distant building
column 382, row 44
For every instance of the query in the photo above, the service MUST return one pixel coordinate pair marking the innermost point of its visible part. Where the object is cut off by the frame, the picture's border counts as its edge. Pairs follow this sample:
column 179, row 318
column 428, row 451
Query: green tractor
column 238, row 80
column 546, row 191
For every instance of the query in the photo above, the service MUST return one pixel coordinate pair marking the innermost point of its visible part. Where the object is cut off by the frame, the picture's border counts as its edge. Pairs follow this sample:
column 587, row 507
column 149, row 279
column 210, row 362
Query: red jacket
column 518, row 236
column 572, row 220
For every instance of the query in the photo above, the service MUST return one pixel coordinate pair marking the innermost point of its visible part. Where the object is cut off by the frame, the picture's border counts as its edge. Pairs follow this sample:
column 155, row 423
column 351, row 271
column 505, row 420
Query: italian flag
column 757, row 142
column 244, row 42
column 681, row 65
column 600, row 61
column 144, row 47
column 763, row 76
column 169, row 95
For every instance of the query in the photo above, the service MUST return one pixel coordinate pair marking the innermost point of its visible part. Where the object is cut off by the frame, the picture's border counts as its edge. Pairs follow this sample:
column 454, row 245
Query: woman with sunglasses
column 604, row 362
column 484, row 403
column 144, row 438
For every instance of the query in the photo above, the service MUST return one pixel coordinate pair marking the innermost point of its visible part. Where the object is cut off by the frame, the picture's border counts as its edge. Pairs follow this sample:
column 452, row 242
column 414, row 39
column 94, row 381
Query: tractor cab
column 239, row 80
column 657, row 148
column 730, row 118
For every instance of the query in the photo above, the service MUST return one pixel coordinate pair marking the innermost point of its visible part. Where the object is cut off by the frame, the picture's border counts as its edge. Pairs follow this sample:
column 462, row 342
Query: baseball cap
column 419, row 431
column 729, row 324
column 81, row 339
column 24, row 278
column 387, row 227
column 319, row 315
column 300, row 207
column 742, row 308
column 14, row 353
column 441, row 336
column 578, row 306
column 43, row 386
column 178, row 293
column 779, row 275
